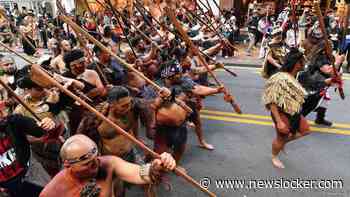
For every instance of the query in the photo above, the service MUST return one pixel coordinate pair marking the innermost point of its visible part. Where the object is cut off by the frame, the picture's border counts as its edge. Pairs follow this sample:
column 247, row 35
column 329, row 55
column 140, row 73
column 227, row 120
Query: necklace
column 88, row 189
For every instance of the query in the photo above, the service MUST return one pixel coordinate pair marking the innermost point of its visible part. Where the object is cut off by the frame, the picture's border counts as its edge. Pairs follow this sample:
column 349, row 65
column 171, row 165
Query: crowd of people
column 82, row 153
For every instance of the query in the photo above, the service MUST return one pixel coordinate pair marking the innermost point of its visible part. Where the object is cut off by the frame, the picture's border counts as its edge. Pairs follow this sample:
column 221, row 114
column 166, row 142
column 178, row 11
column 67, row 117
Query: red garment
column 118, row 31
column 10, row 167
column 91, row 26
column 53, row 135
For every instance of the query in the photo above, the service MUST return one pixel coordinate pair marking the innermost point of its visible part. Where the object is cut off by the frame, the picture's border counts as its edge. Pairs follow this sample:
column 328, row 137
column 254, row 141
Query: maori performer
column 125, row 111
column 318, row 76
column 86, row 80
column 275, row 55
column 135, row 83
column 88, row 174
column 114, row 72
column 284, row 96
column 190, row 92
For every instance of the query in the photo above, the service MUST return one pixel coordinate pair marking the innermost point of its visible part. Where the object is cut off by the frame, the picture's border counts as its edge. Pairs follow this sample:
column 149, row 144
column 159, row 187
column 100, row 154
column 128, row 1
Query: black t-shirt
column 313, row 80
column 253, row 24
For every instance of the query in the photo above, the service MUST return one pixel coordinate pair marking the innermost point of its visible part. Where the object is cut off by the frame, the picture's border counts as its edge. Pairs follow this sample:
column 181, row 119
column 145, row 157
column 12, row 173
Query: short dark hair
column 292, row 57
column 116, row 93
column 72, row 56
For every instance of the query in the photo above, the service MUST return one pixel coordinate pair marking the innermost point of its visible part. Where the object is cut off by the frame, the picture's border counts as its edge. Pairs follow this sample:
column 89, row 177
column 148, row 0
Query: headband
column 92, row 153
column 80, row 60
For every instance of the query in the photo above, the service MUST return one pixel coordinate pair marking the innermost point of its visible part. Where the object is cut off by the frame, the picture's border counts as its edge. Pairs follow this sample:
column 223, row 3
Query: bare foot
column 191, row 125
column 277, row 162
column 205, row 145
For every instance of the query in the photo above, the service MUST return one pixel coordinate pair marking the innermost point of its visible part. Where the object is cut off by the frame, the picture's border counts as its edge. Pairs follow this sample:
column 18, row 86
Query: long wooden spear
column 117, row 13
column 43, row 74
column 121, row 27
column 176, row 34
column 210, row 9
column 210, row 24
column 328, row 49
column 116, row 127
column 82, row 43
column 220, row 10
column 203, row 13
column 149, row 23
column 211, row 59
column 170, row 13
column 121, row 61
column 20, row 100
column 212, row 28
column 90, row 11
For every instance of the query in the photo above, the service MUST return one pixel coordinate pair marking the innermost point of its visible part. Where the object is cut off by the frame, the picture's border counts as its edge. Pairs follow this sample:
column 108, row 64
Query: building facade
column 39, row 6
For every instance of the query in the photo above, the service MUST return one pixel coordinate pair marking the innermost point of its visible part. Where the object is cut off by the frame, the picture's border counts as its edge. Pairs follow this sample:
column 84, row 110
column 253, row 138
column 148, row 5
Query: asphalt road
column 243, row 149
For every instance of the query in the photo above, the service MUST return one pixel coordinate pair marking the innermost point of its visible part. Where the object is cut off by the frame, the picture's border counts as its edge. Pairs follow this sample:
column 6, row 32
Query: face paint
column 78, row 68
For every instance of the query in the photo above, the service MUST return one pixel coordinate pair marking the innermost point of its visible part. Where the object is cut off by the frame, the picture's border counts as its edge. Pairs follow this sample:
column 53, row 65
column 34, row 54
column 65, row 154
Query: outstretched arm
column 200, row 90
column 203, row 69
column 137, row 174
column 28, row 125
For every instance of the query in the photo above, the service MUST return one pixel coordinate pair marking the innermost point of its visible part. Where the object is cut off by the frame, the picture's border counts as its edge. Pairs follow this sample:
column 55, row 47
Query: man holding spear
column 87, row 174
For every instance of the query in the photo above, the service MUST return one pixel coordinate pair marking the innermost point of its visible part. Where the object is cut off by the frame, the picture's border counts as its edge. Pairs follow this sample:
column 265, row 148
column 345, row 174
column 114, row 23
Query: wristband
column 145, row 171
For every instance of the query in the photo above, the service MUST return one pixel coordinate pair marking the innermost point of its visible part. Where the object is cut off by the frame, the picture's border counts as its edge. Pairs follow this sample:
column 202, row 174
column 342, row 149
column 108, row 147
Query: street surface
column 243, row 146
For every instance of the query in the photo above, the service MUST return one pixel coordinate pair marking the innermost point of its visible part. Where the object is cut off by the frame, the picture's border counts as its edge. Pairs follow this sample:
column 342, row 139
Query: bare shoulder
column 109, row 160
column 55, row 186
column 91, row 73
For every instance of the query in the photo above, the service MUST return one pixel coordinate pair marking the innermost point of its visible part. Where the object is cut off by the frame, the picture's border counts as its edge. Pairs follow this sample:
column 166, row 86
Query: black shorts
column 174, row 137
